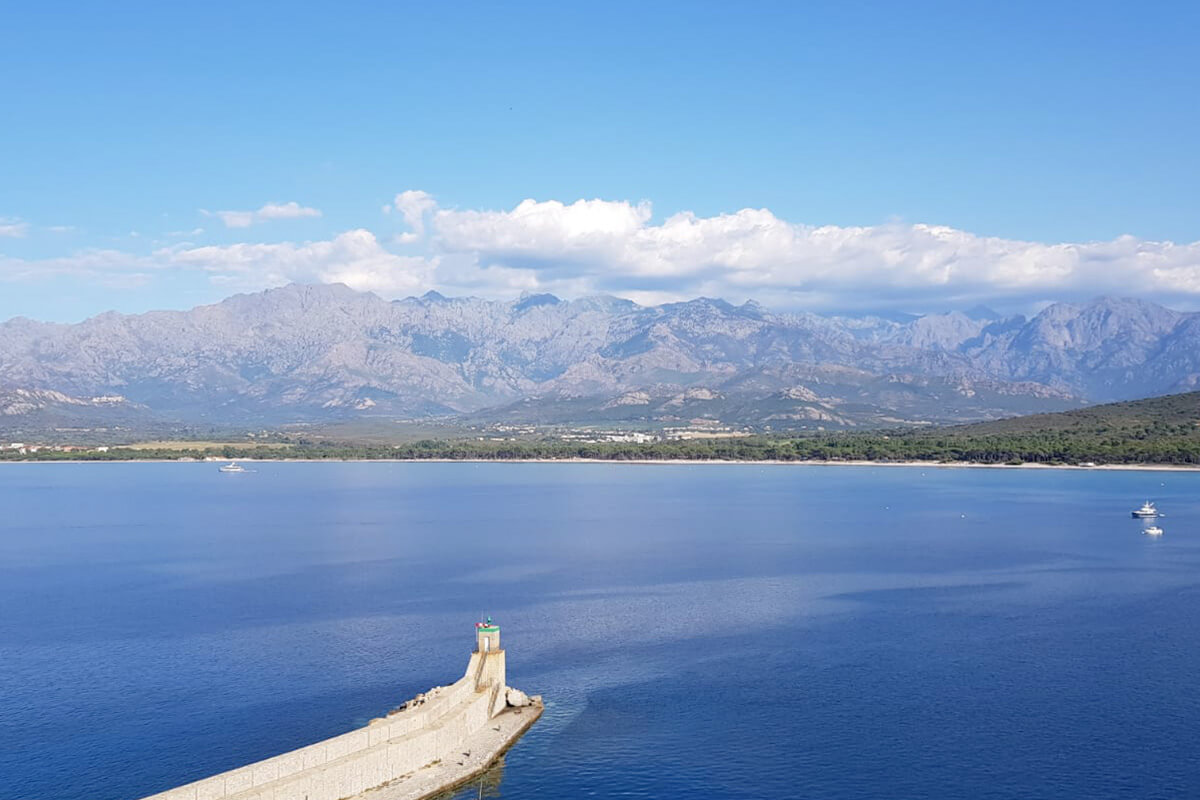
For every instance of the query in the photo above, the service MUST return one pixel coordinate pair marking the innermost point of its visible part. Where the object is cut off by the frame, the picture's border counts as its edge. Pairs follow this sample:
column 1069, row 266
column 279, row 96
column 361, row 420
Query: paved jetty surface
column 479, row 752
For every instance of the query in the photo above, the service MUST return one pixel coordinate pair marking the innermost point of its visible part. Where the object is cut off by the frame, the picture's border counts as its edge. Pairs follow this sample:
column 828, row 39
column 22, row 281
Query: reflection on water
column 486, row 785
column 696, row 630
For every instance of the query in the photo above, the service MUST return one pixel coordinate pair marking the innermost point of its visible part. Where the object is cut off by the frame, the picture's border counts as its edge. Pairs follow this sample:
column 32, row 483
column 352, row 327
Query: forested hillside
column 1164, row 430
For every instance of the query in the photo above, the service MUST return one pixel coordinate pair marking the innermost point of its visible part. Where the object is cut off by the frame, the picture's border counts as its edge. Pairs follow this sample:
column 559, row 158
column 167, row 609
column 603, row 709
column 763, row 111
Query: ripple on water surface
column 717, row 631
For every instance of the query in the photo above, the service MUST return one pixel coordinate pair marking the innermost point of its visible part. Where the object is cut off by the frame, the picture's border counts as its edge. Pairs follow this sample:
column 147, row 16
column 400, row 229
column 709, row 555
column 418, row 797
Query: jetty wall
column 427, row 729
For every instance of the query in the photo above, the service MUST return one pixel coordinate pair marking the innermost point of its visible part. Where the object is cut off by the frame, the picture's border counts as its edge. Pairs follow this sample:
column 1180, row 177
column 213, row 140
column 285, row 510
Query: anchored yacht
column 1147, row 511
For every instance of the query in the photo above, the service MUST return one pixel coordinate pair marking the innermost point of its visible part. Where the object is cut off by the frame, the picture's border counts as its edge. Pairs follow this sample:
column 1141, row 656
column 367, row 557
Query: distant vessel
column 1147, row 511
column 1153, row 530
column 232, row 466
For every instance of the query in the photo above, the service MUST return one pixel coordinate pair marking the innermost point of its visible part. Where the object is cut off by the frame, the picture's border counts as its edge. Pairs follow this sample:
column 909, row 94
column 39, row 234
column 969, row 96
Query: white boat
column 232, row 466
column 1153, row 530
column 1147, row 511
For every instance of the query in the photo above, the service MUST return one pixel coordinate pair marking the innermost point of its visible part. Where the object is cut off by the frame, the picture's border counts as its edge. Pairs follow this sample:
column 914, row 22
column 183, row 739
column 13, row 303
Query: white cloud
column 413, row 204
column 270, row 211
column 585, row 229
column 13, row 228
column 292, row 210
column 613, row 246
column 617, row 247
column 99, row 266
column 354, row 258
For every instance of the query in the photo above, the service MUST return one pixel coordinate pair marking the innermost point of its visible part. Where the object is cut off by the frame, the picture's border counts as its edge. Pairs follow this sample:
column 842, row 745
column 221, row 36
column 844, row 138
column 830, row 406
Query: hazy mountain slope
column 36, row 411
column 1107, row 350
column 328, row 352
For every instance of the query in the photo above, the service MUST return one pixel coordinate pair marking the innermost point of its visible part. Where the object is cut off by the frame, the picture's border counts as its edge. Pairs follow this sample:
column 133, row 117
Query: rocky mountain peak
column 316, row 352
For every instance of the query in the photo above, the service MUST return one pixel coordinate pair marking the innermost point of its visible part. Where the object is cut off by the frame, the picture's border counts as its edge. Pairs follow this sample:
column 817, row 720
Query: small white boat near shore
column 232, row 466
column 1147, row 511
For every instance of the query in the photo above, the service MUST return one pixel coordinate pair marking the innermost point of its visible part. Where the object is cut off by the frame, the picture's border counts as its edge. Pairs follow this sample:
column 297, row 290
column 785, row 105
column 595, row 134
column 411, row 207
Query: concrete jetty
column 431, row 743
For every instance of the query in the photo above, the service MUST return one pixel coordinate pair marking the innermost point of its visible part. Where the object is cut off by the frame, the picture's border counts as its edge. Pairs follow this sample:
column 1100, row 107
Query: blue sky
column 908, row 155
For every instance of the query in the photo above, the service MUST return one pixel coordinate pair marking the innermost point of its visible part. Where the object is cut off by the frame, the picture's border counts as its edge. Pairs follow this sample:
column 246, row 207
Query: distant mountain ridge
column 326, row 352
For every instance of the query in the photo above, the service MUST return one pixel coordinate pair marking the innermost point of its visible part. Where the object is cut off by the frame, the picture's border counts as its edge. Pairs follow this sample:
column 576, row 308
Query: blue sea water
column 735, row 631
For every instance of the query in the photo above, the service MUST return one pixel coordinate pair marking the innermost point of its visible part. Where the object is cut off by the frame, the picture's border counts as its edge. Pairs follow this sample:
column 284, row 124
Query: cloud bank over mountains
column 355, row 258
column 618, row 247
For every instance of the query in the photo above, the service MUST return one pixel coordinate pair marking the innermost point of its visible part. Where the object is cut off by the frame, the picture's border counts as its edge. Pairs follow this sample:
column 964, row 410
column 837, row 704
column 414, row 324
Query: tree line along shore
column 1178, row 446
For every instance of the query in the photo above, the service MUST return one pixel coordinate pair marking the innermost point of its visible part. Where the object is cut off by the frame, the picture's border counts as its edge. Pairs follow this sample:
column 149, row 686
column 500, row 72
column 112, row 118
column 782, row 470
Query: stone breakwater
column 431, row 743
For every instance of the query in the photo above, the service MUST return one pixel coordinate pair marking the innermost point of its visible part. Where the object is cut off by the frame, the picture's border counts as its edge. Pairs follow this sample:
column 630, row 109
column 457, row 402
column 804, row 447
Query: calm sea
column 697, row 631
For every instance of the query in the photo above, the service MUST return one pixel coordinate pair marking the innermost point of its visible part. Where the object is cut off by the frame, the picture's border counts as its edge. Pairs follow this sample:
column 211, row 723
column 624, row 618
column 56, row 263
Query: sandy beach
column 638, row 462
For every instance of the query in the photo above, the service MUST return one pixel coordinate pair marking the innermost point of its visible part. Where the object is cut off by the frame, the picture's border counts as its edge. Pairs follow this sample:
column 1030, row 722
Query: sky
column 825, row 156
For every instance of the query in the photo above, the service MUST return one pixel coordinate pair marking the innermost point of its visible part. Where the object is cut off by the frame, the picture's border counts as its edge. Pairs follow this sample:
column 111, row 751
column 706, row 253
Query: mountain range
column 327, row 353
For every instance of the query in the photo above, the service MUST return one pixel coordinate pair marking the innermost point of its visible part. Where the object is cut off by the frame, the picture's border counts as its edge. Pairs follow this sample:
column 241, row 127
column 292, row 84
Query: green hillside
column 1169, row 416
column 1162, row 430
column 1156, row 430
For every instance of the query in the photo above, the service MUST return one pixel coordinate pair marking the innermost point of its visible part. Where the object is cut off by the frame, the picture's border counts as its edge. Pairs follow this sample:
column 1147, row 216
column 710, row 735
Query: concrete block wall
column 367, row 757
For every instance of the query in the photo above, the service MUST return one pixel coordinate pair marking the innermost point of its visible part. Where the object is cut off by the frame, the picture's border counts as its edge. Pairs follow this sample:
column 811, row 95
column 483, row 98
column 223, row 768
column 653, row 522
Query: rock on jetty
column 427, row 745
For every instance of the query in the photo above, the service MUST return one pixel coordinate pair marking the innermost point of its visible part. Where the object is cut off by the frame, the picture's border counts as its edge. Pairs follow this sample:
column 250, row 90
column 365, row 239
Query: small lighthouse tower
column 487, row 637
column 487, row 665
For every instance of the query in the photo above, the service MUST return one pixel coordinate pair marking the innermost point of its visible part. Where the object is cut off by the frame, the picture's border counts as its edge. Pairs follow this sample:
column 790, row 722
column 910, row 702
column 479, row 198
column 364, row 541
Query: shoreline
column 636, row 462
